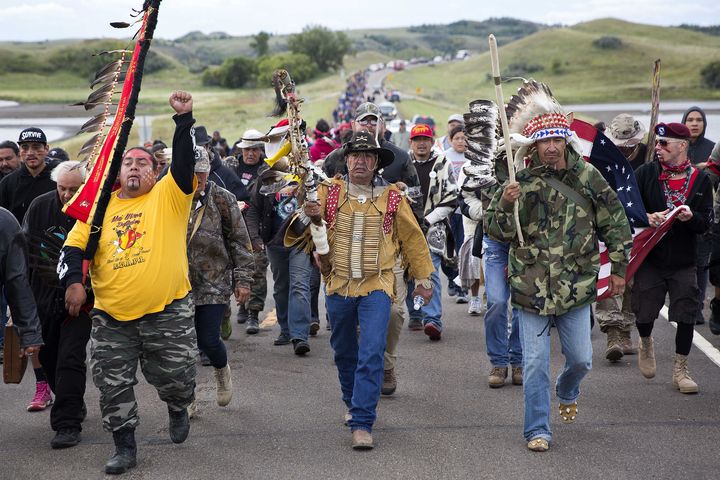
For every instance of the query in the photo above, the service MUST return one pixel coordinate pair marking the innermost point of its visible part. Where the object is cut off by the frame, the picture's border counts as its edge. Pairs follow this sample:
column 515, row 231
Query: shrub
column 234, row 72
column 299, row 65
column 608, row 43
column 711, row 75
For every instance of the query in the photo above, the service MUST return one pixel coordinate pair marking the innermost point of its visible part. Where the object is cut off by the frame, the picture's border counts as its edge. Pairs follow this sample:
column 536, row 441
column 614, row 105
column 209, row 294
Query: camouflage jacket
column 219, row 253
column 556, row 270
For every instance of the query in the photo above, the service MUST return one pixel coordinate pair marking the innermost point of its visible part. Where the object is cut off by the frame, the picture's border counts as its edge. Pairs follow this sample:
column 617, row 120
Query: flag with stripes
column 602, row 153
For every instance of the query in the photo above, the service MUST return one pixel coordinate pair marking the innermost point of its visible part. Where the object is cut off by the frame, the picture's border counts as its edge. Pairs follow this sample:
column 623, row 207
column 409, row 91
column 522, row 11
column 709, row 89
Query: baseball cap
column 32, row 134
column 202, row 160
column 456, row 117
column 421, row 130
column 57, row 154
column 367, row 109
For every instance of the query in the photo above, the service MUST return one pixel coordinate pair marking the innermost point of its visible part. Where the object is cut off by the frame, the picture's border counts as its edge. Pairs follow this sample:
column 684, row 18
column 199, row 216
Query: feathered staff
column 654, row 111
column 104, row 151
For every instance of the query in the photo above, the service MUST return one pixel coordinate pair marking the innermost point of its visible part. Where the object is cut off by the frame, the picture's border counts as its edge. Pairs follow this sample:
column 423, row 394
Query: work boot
column 65, row 438
column 362, row 440
column 614, row 350
column 517, row 375
column 626, row 343
column 179, row 425
column 253, row 323
column 125, row 452
column 497, row 377
column 646, row 357
column 389, row 382
column 242, row 314
column 714, row 322
column 223, row 379
column 681, row 375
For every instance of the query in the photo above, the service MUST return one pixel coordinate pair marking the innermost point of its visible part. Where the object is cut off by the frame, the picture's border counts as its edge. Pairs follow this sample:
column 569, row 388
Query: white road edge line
column 706, row 347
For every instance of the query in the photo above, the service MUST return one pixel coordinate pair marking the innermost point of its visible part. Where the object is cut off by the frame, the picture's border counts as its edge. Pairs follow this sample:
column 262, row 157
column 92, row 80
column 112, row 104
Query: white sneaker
column 224, row 385
column 475, row 306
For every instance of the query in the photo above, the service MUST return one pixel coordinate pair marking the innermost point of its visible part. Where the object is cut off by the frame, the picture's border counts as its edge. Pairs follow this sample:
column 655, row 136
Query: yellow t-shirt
column 141, row 262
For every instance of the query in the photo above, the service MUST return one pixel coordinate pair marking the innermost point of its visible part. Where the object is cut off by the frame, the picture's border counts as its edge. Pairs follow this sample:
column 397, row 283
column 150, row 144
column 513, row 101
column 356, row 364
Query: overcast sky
column 33, row 20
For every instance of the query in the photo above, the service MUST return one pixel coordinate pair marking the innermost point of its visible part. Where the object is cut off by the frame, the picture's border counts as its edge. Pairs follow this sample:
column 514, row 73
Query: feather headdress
column 481, row 137
column 533, row 114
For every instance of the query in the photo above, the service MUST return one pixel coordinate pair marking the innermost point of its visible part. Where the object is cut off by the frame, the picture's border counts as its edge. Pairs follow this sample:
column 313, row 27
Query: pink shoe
column 42, row 398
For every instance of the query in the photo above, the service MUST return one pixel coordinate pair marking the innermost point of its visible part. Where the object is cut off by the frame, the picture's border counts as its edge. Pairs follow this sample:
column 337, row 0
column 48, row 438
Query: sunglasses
column 368, row 121
column 664, row 143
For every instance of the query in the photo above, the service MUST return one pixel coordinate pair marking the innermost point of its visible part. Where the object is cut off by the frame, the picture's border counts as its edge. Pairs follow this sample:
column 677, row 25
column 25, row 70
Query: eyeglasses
column 368, row 121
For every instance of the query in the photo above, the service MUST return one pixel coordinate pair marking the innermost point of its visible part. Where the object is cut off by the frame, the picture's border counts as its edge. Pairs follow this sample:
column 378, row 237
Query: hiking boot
column 300, row 347
column 517, row 375
column 225, row 328
column 389, row 382
column 626, row 343
column 614, row 350
column 282, row 339
column 432, row 331
column 314, row 326
column 42, row 398
column 253, row 323
column 714, row 322
column 125, row 452
column 415, row 324
column 223, row 380
column 475, row 306
column 646, row 357
column 362, row 440
column 681, row 376
column 497, row 377
column 179, row 425
column 242, row 314
column 65, row 438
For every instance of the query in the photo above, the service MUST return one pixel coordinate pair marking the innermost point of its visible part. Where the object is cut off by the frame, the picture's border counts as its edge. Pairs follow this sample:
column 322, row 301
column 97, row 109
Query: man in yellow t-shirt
column 140, row 279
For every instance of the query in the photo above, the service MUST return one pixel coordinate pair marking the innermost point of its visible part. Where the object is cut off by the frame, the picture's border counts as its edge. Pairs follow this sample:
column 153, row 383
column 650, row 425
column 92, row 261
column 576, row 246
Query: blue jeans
column 432, row 312
column 503, row 347
column 291, row 271
column 574, row 330
column 359, row 360
column 207, row 326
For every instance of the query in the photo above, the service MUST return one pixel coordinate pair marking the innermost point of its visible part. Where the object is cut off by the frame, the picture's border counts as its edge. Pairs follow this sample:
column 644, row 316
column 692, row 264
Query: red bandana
column 668, row 170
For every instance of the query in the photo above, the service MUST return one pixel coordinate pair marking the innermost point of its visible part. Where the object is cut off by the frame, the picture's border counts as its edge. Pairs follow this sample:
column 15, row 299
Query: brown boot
column 626, row 343
column 517, row 377
column 497, row 377
column 614, row 351
column 646, row 357
column 681, row 376
column 389, row 382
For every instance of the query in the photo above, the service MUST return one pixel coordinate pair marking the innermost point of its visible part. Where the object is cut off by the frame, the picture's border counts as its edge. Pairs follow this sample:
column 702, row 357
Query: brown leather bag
column 13, row 366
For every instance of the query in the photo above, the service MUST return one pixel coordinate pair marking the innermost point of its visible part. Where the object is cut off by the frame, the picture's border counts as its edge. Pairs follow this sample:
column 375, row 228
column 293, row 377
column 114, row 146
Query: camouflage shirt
column 219, row 253
column 556, row 270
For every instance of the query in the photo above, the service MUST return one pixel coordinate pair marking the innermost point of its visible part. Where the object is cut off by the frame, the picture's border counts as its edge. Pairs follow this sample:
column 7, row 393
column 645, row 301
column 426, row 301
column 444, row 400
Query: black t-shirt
column 423, row 171
column 248, row 173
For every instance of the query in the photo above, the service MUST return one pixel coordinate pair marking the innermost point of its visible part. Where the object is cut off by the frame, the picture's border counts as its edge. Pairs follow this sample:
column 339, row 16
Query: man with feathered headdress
column 564, row 206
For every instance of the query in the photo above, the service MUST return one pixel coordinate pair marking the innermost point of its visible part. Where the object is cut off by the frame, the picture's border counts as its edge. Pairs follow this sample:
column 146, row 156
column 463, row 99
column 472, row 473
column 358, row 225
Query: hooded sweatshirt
column 700, row 149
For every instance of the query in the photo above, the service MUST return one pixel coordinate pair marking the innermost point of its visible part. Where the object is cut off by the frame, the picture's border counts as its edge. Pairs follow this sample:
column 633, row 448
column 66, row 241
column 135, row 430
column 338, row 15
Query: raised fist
column 181, row 102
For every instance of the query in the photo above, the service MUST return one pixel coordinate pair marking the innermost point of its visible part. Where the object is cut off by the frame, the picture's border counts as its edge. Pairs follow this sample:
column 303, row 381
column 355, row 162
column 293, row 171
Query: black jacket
column 20, row 188
column 224, row 177
column 13, row 278
column 699, row 150
column 677, row 249
column 46, row 227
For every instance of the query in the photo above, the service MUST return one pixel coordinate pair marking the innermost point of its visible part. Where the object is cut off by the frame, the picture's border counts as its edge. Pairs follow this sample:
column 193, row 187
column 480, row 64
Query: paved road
column 443, row 422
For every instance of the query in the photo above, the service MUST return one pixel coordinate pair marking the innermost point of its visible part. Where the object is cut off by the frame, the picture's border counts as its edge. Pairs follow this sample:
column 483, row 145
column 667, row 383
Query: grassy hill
column 578, row 71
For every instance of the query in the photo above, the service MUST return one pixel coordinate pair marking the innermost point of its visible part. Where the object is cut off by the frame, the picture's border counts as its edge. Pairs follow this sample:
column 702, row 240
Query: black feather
column 94, row 124
column 113, row 67
column 89, row 145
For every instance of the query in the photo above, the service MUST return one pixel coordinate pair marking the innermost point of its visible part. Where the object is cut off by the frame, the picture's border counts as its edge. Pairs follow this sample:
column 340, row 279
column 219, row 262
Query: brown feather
column 94, row 124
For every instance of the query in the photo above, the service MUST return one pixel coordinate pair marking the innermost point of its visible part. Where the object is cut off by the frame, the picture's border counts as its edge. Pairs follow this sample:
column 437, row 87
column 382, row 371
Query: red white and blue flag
column 602, row 153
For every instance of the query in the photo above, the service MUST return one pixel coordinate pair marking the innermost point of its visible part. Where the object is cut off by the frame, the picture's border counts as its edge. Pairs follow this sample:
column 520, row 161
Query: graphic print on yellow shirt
column 141, row 262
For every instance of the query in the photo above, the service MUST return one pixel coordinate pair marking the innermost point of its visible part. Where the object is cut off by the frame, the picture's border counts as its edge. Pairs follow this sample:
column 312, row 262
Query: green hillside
column 577, row 71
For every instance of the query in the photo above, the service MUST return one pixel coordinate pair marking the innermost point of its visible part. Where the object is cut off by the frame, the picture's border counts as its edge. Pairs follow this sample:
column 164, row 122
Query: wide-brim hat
column 201, row 136
column 364, row 141
column 251, row 139
column 625, row 131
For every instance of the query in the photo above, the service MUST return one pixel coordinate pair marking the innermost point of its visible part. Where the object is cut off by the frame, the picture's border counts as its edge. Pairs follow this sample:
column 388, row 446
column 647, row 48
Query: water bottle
column 418, row 302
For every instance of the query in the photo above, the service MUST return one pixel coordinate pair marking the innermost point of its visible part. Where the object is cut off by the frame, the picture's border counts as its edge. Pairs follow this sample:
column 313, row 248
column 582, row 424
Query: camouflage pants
column 258, row 290
column 616, row 312
column 165, row 344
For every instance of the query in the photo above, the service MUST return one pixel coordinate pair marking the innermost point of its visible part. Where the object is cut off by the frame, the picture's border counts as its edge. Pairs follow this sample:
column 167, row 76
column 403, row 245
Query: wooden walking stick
column 505, row 128
column 654, row 111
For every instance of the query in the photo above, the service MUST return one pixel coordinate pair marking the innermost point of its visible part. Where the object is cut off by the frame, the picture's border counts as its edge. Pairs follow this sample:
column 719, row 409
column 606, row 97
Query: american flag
column 602, row 153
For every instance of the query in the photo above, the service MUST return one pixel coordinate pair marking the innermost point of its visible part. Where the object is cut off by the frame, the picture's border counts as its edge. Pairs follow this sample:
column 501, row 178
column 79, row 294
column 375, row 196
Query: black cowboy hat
column 364, row 141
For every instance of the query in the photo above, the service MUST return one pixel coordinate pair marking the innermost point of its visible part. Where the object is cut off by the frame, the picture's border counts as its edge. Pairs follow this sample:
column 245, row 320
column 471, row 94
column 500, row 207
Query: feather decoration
column 111, row 67
column 95, row 124
column 532, row 99
column 481, row 125
column 283, row 85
